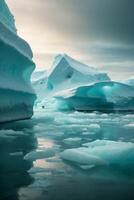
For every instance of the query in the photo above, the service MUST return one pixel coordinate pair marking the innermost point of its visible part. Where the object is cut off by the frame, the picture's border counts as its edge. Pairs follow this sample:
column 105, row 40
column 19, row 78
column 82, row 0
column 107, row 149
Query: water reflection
column 16, row 139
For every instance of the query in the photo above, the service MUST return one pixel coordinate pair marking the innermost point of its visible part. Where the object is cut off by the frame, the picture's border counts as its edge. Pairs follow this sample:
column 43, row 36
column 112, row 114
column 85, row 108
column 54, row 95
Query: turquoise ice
column 16, row 66
column 102, row 96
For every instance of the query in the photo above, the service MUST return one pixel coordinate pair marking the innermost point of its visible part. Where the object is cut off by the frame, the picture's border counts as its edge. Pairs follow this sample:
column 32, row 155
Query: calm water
column 49, row 177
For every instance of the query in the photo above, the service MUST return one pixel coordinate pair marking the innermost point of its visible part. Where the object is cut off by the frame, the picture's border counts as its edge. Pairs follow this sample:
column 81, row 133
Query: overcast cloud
column 97, row 32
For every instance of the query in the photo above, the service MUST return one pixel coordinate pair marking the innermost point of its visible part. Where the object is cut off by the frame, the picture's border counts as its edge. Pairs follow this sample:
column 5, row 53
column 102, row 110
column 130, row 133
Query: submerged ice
column 16, row 66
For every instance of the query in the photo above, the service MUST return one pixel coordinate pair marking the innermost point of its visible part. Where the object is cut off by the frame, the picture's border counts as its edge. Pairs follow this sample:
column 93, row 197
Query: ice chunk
column 88, row 133
column 102, row 152
column 102, row 96
column 16, row 66
column 94, row 127
column 34, row 155
column 72, row 141
column 130, row 125
column 78, row 156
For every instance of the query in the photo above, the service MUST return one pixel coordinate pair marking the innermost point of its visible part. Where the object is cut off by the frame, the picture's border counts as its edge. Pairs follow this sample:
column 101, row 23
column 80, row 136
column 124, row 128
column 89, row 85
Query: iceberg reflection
column 15, row 142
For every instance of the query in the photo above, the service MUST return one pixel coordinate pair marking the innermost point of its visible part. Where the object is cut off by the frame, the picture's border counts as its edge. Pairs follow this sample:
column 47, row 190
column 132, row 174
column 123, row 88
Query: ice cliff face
column 16, row 65
column 67, row 73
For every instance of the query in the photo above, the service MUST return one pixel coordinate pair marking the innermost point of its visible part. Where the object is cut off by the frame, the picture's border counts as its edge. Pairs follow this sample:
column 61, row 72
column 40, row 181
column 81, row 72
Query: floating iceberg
column 16, row 66
column 102, row 152
column 66, row 73
column 102, row 96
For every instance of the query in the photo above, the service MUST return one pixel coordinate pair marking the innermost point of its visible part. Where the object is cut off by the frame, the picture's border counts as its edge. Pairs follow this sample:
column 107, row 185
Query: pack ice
column 102, row 96
column 65, row 73
column 16, row 65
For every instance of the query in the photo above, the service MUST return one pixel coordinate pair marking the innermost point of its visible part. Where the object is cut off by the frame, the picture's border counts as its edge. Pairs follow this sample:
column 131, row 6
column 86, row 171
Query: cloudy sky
column 97, row 32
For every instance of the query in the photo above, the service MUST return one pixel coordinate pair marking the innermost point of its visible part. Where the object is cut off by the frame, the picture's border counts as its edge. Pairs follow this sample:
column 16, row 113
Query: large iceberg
column 16, row 66
column 102, row 96
column 66, row 73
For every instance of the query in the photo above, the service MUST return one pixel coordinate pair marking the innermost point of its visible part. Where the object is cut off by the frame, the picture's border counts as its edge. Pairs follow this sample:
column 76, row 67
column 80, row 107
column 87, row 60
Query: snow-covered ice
column 65, row 73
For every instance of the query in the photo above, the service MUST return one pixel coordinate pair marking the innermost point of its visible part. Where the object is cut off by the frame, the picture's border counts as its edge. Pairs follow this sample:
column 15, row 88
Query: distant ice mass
column 76, row 86
column 66, row 73
column 16, row 66
column 129, row 81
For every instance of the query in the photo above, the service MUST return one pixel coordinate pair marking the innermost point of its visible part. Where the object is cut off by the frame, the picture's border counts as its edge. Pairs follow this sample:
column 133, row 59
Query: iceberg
column 16, row 66
column 66, row 73
column 103, row 96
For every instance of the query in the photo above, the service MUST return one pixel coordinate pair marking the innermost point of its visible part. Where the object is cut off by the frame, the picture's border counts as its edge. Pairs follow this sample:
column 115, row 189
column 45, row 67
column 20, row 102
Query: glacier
column 16, row 66
column 103, row 96
column 65, row 73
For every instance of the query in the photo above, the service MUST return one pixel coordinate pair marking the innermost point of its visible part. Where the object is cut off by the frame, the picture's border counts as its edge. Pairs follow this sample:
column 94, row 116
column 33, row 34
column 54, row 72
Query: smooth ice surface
column 66, row 73
column 80, row 157
column 16, row 66
column 102, row 96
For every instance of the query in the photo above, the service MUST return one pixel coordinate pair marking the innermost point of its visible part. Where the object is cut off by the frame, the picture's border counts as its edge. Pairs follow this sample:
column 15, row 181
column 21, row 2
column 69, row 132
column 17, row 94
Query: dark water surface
column 51, row 178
